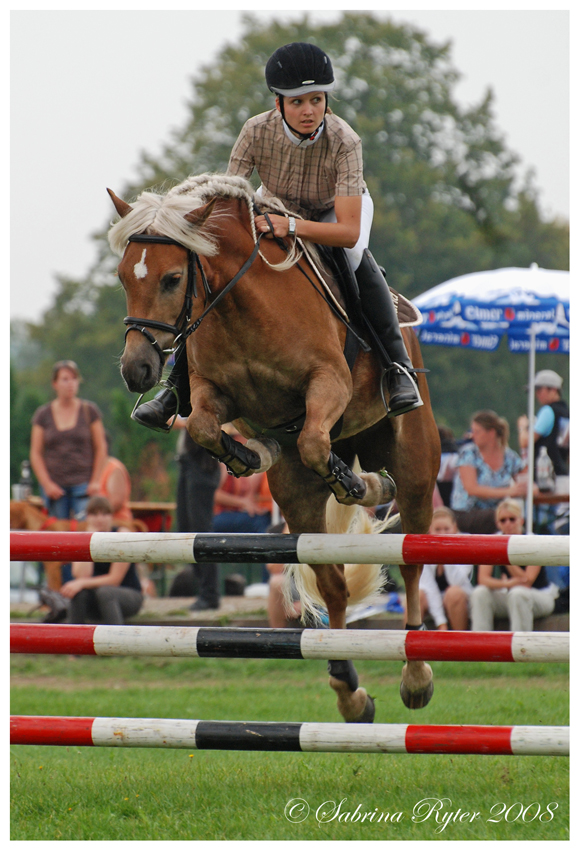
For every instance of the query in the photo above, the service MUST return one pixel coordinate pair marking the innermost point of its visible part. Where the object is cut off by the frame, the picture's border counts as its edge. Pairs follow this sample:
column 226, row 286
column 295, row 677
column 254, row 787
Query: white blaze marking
column 140, row 270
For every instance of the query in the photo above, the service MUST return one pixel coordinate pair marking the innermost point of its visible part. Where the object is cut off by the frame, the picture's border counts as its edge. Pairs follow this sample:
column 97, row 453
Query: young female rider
column 312, row 161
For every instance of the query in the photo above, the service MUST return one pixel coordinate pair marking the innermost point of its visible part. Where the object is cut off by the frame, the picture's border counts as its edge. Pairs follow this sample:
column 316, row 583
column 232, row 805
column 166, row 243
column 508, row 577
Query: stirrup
column 411, row 377
column 165, row 429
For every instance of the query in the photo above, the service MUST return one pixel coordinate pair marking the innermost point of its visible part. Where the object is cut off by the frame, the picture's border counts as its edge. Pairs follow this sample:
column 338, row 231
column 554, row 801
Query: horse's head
column 157, row 241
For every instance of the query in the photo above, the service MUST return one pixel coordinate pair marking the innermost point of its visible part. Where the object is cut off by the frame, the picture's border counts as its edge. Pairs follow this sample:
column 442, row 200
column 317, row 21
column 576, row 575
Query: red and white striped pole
column 289, row 737
column 354, row 644
column 520, row 549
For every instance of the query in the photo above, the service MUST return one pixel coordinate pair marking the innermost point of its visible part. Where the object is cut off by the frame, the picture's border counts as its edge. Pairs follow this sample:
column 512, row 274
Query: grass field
column 61, row 793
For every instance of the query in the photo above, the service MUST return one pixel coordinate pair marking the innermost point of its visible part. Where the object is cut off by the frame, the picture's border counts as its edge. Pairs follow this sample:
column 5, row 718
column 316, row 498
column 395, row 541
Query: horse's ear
column 199, row 216
column 121, row 207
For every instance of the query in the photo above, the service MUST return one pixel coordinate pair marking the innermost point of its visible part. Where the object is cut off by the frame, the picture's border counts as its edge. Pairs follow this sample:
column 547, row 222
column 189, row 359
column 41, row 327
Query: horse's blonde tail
column 363, row 580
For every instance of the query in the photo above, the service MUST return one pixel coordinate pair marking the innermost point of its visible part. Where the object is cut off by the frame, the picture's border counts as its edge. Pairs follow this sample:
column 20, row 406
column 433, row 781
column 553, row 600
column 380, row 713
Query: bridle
column 181, row 330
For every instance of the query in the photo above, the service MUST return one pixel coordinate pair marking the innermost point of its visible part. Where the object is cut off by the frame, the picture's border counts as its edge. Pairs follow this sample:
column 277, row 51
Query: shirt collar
column 303, row 143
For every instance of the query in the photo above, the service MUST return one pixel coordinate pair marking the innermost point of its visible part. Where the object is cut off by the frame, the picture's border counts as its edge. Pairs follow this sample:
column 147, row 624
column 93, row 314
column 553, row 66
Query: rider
column 311, row 160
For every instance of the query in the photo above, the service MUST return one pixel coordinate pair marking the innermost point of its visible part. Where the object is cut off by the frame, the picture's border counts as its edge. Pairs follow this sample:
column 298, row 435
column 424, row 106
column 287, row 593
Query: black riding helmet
column 298, row 68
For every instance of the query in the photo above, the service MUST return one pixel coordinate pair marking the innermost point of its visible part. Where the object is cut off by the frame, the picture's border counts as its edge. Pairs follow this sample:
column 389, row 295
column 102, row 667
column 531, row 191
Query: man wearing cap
column 551, row 428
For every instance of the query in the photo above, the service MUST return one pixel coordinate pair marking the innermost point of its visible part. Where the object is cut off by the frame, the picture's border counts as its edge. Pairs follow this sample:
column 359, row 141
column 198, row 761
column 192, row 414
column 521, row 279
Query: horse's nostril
column 146, row 374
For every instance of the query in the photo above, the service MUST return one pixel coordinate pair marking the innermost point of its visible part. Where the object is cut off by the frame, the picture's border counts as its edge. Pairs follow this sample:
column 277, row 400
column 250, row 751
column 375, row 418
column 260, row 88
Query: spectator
column 68, row 447
column 199, row 476
column 448, row 458
column 241, row 506
column 445, row 588
column 105, row 592
column 521, row 593
column 115, row 485
column 551, row 427
column 486, row 471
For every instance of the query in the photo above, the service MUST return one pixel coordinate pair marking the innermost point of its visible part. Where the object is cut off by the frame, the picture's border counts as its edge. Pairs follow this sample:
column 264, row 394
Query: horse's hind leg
column 417, row 686
column 302, row 498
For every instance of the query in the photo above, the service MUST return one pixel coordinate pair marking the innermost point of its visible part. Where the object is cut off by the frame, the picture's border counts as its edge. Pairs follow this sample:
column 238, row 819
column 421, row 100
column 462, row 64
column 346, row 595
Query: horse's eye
column 169, row 282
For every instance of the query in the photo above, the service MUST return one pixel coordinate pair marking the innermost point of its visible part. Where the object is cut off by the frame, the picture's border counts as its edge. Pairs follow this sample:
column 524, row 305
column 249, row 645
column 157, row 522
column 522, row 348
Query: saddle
column 337, row 263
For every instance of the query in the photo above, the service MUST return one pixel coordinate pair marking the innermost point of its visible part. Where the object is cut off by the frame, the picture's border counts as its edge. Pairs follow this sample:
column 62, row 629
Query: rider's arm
column 343, row 233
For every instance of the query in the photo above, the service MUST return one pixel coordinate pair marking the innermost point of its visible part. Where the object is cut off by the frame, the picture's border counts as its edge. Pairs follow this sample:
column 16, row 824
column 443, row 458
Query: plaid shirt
column 306, row 179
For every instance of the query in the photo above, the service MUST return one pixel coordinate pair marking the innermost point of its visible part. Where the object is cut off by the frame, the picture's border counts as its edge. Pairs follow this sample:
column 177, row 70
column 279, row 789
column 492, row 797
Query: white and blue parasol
column 477, row 310
column 530, row 306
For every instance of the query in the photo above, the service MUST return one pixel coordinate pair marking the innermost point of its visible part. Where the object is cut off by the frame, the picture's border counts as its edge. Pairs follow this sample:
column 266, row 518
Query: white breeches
column 520, row 604
column 354, row 254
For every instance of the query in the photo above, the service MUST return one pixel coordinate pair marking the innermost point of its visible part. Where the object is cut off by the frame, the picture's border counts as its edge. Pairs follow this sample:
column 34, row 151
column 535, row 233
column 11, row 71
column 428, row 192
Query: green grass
column 61, row 793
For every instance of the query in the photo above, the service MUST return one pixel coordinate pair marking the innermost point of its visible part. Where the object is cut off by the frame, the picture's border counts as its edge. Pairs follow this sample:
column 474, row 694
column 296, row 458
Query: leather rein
column 181, row 330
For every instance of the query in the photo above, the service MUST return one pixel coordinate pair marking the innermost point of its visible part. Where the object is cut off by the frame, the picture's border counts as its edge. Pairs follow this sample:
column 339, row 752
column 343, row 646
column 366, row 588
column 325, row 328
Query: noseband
column 184, row 317
column 181, row 330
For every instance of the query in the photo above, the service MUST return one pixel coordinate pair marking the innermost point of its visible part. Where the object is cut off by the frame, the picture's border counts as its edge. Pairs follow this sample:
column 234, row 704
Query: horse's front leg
column 210, row 409
column 327, row 397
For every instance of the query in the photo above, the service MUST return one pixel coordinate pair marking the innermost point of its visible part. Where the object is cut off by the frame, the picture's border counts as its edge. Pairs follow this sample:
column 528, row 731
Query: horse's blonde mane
column 165, row 215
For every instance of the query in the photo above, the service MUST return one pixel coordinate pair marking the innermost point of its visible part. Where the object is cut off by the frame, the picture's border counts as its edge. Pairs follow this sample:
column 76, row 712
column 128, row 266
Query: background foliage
column 446, row 200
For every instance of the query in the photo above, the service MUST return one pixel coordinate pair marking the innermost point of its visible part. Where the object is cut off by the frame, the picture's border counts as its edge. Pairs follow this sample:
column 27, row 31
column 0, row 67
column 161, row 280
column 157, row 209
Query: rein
column 181, row 330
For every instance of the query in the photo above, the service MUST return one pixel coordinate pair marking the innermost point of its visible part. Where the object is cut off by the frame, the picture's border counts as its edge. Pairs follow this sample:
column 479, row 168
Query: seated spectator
column 486, row 473
column 107, row 593
column 448, row 458
column 519, row 593
column 445, row 588
column 277, row 611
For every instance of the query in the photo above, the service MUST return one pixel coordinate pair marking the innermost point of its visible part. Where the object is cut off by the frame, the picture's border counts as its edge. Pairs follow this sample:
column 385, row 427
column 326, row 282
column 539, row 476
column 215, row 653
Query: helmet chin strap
column 302, row 136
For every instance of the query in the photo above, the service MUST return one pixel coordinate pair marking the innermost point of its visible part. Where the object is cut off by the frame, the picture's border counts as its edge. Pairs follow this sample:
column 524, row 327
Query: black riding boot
column 379, row 310
column 157, row 412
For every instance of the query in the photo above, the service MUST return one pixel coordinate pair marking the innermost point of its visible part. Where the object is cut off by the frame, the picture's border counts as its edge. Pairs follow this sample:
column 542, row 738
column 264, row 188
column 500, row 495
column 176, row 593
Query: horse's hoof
column 368, row 714
column 419, row 699
column 267, row 449
column 388, row 486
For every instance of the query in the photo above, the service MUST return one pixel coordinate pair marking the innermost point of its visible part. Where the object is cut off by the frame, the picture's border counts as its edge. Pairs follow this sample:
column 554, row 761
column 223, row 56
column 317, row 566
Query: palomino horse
column 264, row 345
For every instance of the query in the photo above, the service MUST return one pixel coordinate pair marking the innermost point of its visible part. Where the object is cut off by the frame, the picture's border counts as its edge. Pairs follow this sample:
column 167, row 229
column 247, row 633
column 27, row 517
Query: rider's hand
column 279, row 222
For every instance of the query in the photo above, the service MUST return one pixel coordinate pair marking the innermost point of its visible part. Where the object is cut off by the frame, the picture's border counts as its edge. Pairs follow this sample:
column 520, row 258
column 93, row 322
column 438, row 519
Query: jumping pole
column 289, row 737
column 354, row 644
column 517, row 549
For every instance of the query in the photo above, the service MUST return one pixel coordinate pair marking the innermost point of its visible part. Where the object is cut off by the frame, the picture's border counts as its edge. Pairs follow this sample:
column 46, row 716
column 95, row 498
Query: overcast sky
column 90, row 90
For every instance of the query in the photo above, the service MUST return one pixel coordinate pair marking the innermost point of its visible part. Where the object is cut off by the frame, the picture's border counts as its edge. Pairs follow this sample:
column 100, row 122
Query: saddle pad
column 408, row 314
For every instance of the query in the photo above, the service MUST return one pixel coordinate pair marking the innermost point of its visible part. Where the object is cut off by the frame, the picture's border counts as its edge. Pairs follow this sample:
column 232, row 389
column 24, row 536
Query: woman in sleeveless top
column 68, row 447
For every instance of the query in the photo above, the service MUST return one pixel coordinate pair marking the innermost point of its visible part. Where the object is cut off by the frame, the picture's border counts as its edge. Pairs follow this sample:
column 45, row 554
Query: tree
column 442, row 180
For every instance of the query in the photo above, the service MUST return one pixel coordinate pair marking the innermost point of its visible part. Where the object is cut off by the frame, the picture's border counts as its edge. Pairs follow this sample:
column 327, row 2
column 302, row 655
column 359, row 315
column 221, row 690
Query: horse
column 264, row 335
column 27, row 517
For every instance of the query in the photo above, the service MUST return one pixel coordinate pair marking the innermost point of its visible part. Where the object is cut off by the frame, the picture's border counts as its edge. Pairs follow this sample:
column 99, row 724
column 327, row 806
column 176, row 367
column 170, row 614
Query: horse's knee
column 314, row 449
